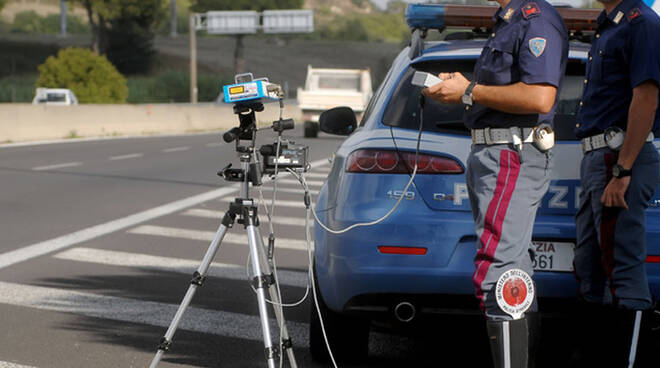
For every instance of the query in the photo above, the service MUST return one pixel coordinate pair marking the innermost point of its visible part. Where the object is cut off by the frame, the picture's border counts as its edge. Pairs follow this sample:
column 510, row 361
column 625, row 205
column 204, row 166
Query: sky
column 382, row 3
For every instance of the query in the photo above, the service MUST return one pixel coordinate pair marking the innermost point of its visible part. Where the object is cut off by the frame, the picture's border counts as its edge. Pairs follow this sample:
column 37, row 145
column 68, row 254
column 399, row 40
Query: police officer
column 619, row 174
column 513, row 93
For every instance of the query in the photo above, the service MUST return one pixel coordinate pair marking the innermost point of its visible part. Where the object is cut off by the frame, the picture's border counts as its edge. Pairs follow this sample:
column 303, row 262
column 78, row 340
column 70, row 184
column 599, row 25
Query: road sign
column 288, row 21
column 229, row 22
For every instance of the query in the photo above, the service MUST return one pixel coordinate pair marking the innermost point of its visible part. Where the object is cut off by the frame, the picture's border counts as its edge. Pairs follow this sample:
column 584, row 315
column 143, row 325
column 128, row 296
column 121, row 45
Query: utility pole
column 193, row 59
column 62, row 18
column 173, row 19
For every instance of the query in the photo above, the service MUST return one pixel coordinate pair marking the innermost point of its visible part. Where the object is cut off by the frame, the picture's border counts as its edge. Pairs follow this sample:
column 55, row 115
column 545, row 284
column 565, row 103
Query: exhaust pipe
column 404, row 312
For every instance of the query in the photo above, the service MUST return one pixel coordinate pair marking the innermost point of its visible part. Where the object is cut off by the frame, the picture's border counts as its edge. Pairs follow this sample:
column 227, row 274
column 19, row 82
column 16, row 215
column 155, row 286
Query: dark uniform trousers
column 610, row 252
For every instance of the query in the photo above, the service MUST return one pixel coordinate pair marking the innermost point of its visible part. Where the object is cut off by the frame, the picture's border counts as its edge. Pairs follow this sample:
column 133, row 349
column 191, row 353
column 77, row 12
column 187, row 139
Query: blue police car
column 419, row 260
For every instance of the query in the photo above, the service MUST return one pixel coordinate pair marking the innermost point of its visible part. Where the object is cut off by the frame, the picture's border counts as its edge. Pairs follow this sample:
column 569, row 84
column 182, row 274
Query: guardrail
column 26, row 122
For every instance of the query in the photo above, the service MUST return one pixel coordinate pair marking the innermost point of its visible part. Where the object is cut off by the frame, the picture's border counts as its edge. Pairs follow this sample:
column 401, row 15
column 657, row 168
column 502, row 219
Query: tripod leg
column 261, row 282
column 286, row 343
column 198, row 279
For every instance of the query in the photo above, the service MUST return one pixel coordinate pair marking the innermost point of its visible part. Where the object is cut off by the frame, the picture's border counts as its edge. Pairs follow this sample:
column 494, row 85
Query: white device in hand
column 424, row 79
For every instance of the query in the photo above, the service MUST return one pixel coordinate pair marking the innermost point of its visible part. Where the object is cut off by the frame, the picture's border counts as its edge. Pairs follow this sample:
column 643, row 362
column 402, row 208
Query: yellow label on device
column 237, row 89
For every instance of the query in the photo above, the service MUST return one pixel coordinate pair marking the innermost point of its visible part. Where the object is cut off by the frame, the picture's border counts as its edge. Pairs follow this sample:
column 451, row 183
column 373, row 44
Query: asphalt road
column 99, row 239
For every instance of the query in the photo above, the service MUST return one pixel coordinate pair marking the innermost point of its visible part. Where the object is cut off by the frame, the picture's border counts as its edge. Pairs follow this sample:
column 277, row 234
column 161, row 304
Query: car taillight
column 371, row 161
column 653, row 259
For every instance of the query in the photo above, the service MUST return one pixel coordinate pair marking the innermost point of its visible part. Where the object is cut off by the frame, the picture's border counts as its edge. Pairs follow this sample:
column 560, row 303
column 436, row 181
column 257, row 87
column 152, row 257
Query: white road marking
column 284, row 190
column 57, row 166
column 48, row 246
column 278, row 203
column 174, row 232
column 229, row 324
column 322, row 169
column 215, row 144
column 125, row 157
column 12, row 365
column 279, row 220
column 175, row 149
column 316, row 176
column 311, row 183
column 168, row 264
column 39, row 249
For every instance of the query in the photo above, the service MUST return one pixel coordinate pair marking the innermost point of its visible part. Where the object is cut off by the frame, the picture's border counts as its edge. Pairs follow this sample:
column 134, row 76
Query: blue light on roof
column 428, row 16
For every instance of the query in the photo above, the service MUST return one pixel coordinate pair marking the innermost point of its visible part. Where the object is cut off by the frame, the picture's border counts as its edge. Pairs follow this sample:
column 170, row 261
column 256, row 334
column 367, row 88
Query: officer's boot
column 631, row 338
column 588, row 332
column 513, row 343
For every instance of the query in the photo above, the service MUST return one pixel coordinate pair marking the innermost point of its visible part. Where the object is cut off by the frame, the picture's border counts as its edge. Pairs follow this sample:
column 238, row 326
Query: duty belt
column 491, row 136
column 600, row 140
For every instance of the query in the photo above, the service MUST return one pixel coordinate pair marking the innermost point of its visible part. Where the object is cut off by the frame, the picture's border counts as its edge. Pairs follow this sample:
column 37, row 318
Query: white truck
column 54, row 96
column 327, row 88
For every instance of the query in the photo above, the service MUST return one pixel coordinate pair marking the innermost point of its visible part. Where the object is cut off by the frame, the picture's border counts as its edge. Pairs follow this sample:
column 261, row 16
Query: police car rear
column 419, row 261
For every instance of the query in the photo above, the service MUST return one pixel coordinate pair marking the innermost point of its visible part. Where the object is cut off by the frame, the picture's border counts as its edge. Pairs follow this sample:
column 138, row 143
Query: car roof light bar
column 436, row 16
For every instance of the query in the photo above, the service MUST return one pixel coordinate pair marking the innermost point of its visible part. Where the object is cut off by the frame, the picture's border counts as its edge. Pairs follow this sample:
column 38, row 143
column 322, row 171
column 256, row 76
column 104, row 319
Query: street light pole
column 63, row 18
column 173, row 19
column 193, row 59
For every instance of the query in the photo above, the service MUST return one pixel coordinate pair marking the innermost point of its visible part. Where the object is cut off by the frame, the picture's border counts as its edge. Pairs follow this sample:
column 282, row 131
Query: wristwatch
column 467, row 95
column 619, row 172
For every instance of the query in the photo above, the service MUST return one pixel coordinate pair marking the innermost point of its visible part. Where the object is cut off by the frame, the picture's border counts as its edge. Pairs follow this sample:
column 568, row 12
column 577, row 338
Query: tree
column 91, row 77
column 104, row 15
column 201, row 6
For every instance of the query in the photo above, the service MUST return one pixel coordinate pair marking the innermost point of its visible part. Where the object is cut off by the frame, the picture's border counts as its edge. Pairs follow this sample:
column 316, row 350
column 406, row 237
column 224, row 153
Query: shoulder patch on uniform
column 634, row 14
column 530, row 10
column 537, row 46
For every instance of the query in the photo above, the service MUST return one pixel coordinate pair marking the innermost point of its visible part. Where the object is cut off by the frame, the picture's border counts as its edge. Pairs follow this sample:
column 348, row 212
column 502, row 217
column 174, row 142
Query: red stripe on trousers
column 608, row 220
column 490, row 239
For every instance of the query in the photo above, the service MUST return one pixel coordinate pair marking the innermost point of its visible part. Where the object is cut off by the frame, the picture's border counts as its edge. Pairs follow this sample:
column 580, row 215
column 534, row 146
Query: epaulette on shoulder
column 531, row 10
column 634, row 15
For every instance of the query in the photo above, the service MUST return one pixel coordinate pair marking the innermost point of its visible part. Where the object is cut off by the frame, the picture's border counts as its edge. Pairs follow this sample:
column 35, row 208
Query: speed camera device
column 424, row 79
column 246, row 89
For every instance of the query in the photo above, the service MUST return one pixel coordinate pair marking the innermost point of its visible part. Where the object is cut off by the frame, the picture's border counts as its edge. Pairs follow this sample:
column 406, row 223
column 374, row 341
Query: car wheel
column 311, row 129
column 348, row 335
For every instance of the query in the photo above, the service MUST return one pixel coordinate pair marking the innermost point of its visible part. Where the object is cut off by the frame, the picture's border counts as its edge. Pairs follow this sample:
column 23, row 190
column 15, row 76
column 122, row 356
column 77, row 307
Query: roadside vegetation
column 158, row 77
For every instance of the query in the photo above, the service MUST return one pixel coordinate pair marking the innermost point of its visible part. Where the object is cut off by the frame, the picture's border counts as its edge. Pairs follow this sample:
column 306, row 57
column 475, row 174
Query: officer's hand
column 615, row 192
column 450, row 90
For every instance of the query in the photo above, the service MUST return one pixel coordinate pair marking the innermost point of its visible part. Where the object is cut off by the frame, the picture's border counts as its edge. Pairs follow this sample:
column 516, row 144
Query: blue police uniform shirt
column 623, row 55
column 529, row 44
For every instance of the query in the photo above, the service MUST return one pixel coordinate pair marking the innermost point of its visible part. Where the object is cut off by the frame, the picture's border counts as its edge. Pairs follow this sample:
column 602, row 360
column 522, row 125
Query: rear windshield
column 56, row 97
column 403, row 109
column 338, row 81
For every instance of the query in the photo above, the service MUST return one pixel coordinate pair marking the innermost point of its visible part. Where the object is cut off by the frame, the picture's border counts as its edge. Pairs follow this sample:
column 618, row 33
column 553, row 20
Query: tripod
column 245, row 209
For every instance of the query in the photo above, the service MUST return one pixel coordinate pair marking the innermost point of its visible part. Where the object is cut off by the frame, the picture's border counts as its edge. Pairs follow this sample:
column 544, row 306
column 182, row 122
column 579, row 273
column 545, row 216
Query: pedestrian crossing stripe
column 278, row 203
column 169, row 264
column 12, row 365
column 202, row 320
column 173, row 232
column 278, row 220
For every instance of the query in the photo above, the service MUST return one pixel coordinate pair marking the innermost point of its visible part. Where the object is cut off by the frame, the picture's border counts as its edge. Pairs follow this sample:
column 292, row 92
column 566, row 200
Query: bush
column 31, row 22
column 23, row 57
column 91, row 77
column 17, row 88
column 27, row 22
column 74, row 25
column 174, row 86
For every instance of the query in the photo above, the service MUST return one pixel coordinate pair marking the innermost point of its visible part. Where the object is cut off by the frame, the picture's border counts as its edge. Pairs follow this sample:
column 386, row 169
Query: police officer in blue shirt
column 619, row 173
column 510, row 106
